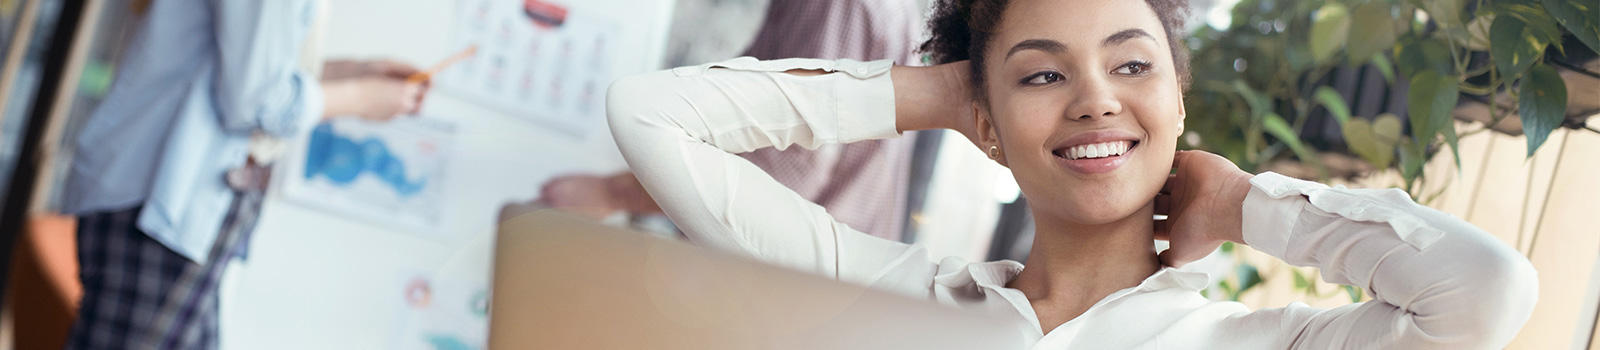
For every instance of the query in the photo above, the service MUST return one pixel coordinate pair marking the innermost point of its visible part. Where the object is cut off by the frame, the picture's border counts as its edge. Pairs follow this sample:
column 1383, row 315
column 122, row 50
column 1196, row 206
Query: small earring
column 994, row 152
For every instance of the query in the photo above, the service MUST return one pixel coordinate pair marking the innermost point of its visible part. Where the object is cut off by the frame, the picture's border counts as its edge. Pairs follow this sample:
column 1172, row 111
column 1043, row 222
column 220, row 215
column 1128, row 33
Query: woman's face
column 1085, row 106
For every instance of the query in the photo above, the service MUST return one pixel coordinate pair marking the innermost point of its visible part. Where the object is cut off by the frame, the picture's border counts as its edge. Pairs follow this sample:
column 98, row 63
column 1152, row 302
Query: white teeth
column 1098, row 150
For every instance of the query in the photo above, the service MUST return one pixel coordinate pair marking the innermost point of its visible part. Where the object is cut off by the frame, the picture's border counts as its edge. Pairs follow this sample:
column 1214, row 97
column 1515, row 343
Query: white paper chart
column 553, row 74
column 392, row 173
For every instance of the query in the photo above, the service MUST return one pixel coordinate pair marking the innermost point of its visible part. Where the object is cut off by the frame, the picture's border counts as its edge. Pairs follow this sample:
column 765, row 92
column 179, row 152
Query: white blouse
column 1436, row 281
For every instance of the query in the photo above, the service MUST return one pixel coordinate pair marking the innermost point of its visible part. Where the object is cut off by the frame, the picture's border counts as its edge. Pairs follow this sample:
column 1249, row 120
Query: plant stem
column 1477, row 71
column 1455, row 58
column 1494, row 85
column 1474, row 89
column 1574, row 68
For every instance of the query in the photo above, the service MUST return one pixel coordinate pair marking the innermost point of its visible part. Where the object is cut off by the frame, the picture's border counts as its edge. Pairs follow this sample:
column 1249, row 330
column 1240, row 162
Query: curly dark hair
column 961, row 30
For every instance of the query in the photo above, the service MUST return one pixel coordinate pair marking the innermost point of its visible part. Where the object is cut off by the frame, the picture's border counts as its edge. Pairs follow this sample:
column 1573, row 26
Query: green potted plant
column 1382, row 82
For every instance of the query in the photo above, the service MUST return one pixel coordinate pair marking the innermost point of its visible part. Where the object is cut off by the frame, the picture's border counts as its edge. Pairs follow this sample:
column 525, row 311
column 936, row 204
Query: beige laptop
column 564, row 282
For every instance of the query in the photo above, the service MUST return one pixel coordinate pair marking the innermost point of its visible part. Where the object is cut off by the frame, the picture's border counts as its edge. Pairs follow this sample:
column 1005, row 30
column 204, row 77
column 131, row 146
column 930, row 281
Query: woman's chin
column 1097, row 204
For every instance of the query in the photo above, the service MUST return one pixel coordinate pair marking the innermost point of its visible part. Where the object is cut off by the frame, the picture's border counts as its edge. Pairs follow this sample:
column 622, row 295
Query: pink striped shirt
column 861, row 184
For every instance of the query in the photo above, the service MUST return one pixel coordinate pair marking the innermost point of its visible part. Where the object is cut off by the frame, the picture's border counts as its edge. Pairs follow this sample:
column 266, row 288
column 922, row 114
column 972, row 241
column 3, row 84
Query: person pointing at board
column 169, row 171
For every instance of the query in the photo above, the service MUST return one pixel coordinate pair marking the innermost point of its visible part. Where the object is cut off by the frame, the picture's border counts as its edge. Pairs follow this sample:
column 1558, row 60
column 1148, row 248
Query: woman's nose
column 1095, row 98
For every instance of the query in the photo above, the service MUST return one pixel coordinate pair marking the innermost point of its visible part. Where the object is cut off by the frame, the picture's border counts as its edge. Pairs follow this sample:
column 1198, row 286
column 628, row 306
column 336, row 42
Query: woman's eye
column 1133, row 68
column 1042, row 78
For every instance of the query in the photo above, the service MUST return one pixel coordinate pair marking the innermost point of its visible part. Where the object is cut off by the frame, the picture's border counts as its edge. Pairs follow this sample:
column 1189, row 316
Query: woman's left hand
column 1203, row 203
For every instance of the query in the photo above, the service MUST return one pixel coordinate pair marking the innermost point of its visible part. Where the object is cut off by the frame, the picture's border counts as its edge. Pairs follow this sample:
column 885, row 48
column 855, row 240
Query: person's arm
column 679, row 130
column 345, row 69
column 258, row 85
column 376, row 98
column 1436, row 282
column 598, row 196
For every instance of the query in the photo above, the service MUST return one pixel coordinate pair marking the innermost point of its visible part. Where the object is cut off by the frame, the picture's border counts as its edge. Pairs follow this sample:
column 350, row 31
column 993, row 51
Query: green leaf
column 1248, row 277
column 1539, row 22
column 1259, row 104
column 1513, row 45
column 1429, row 101
column 1449, row 131
column 1371, row 31
column 1329, row 29
column 1386, row 133
column 1300, row 281
column 1412, row 157
column 1447, row 13
column 1384, row 67
column 1374, row 141
column 1542, row 104
column 1358, row 137
column 1477, row 33
column 1227, row 247
column 1425, row 54
column 1333, row 102
column 1298, row 55
column 1275, row 125
column 1355, row 293
column 1579, row 17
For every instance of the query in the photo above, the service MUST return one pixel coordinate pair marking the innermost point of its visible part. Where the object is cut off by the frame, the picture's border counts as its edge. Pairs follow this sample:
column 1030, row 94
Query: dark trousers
column 138, row 294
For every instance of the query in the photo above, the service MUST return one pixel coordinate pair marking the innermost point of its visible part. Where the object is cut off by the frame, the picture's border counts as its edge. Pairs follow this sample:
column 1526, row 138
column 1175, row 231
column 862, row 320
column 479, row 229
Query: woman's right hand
column 376, row 98
column 936, row 97
column 347, row 69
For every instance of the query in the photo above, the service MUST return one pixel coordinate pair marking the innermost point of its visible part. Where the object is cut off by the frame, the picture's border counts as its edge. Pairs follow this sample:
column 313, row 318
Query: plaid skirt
column 138, row 294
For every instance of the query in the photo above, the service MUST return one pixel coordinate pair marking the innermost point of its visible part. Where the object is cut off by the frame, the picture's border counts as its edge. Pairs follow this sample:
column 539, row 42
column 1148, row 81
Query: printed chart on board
column 442, row 314
column 545, row 61
column 392, row 173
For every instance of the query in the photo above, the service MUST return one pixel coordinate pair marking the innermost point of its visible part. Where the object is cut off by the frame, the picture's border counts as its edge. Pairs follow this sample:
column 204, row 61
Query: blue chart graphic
column 342, row 160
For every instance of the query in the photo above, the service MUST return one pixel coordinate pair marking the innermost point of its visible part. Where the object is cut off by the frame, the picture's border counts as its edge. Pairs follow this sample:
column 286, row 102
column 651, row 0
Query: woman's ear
column 988, row 137
column 1182, row 115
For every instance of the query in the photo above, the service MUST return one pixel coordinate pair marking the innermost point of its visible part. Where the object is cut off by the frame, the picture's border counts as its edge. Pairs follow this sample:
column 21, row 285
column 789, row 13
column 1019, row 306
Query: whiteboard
column 318, row 279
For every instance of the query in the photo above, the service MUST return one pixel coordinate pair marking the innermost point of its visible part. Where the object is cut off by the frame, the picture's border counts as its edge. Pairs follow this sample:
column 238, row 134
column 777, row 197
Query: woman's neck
column 1072, row 266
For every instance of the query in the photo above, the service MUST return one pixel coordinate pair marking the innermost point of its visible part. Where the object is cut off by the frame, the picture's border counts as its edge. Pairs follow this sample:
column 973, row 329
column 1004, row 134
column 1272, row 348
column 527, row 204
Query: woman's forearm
column 680, row 130
column 1436, row 281
column 936, row 97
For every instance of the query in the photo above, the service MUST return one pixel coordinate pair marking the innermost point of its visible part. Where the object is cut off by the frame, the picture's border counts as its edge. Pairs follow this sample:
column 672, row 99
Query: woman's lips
column 1096, row 158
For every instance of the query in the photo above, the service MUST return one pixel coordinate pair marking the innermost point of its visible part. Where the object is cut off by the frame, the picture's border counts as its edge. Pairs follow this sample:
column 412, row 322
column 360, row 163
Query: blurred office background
column 1322, row 90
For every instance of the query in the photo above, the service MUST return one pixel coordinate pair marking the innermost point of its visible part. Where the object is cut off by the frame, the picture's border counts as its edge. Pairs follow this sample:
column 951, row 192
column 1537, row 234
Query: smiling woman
column 1084, row 104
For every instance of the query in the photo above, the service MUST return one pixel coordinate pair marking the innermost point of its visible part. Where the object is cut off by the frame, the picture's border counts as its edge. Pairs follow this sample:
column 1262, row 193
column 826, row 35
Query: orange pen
column 423, row 76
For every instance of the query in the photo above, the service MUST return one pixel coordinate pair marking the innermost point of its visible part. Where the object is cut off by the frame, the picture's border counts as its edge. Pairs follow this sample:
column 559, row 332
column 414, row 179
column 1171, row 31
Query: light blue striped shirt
column 198, row 79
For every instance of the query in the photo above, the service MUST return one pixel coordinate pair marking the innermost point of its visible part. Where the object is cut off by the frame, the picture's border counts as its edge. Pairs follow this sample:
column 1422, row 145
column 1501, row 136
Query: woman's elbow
column 1519, row 285
column 631, row 100
column 1501, row 290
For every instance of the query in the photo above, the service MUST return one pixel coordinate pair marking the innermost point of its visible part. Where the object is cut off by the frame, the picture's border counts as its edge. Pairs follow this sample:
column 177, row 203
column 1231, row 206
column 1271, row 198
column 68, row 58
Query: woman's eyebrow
column 1045, row 45
column 1056, row 47
column 1125, row 35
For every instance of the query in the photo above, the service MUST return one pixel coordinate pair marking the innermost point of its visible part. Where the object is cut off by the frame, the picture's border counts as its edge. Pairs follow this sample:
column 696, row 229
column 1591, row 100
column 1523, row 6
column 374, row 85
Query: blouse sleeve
column 259, row 85
column 679, row 129
column 1436, row 281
